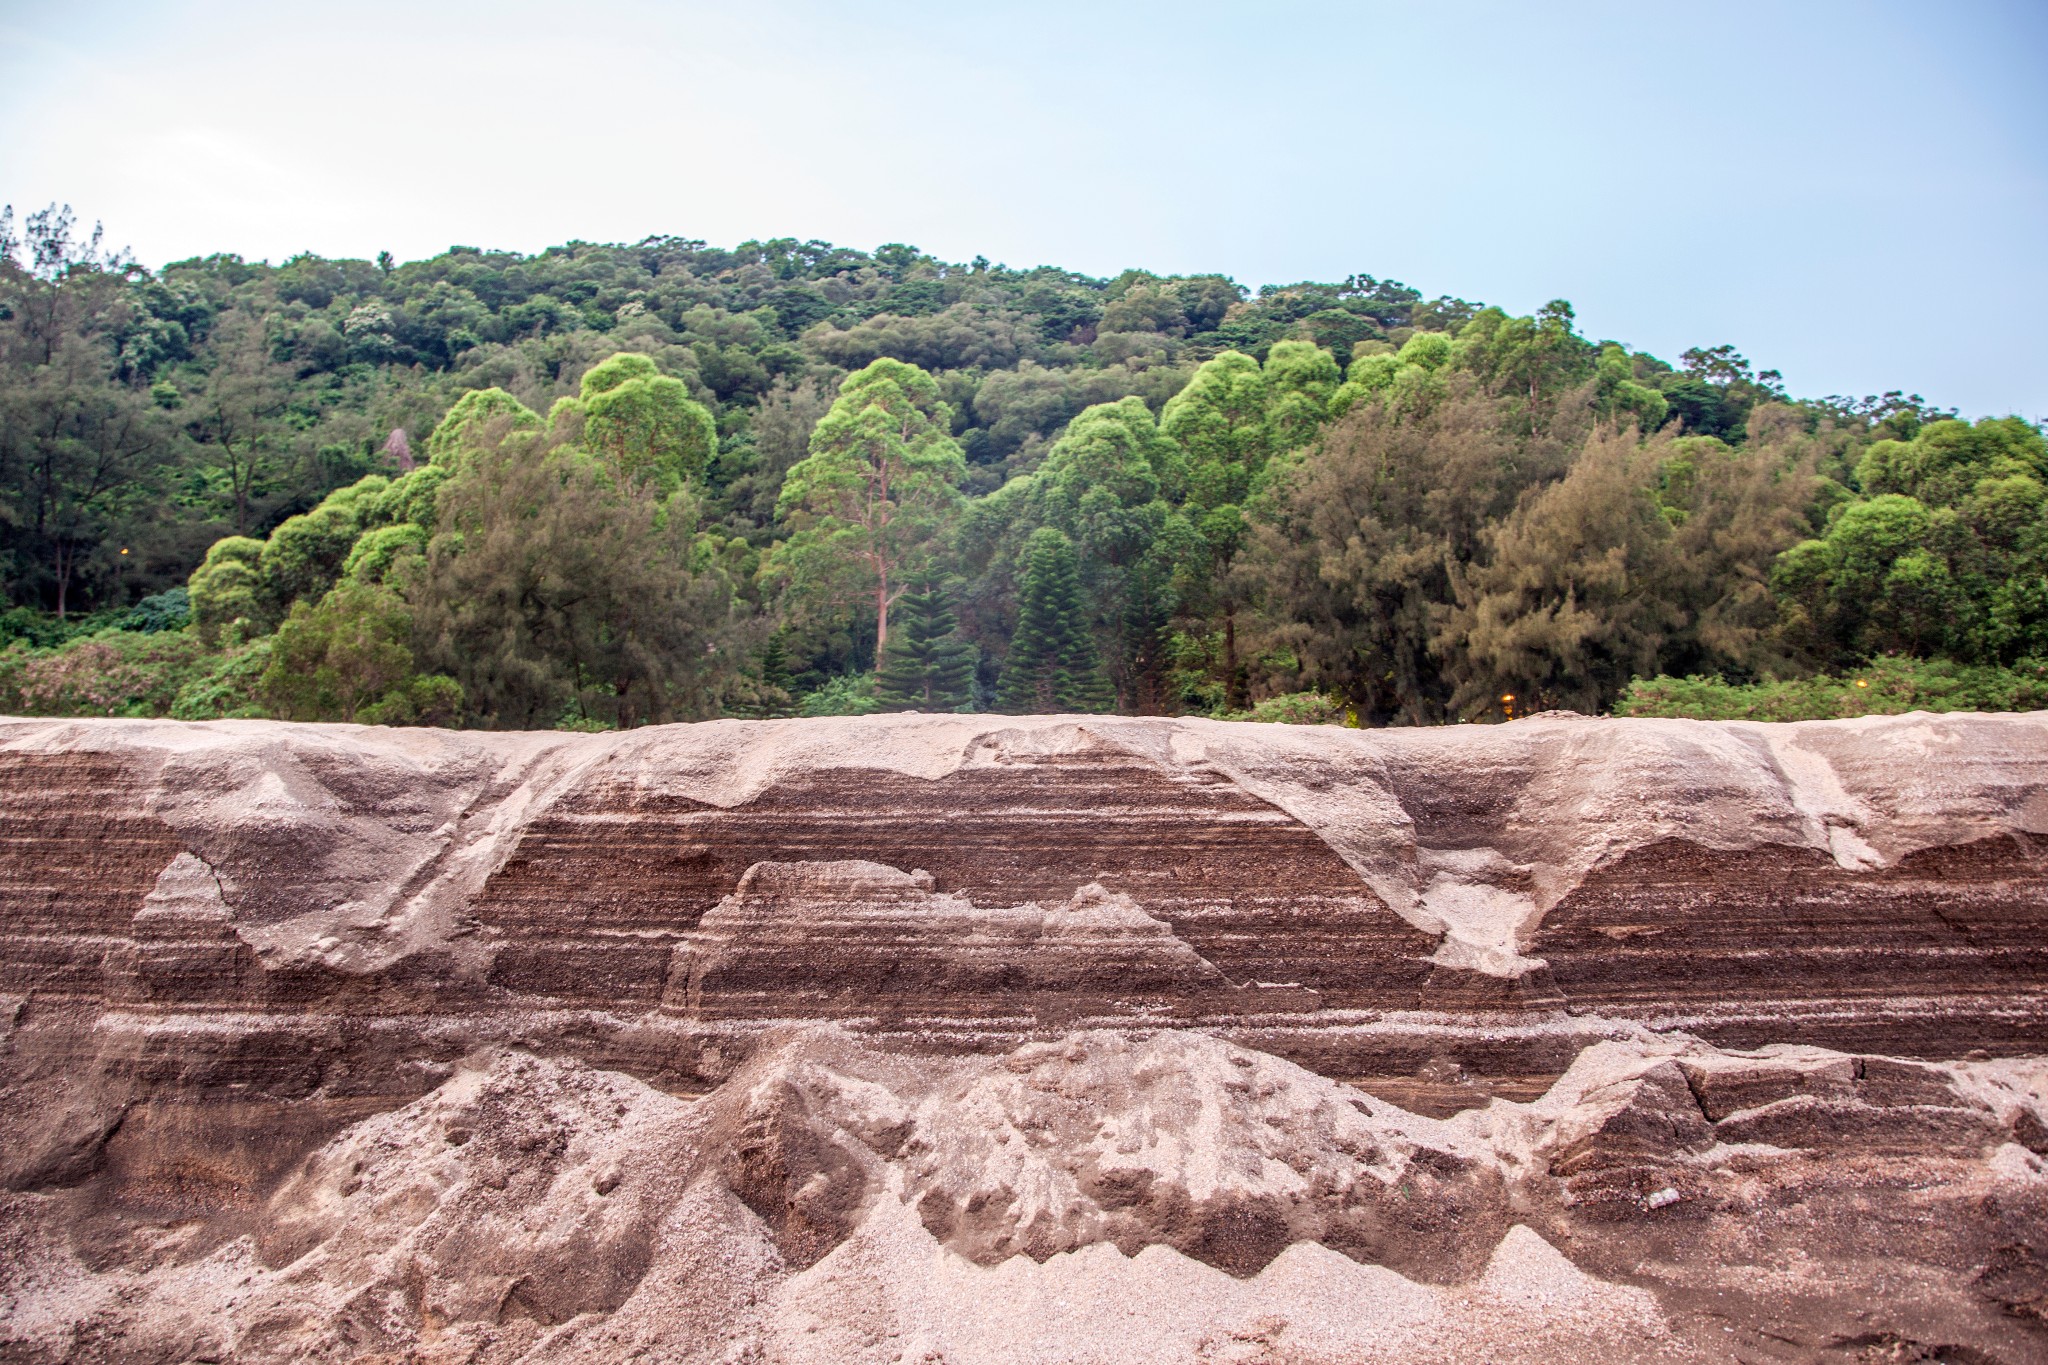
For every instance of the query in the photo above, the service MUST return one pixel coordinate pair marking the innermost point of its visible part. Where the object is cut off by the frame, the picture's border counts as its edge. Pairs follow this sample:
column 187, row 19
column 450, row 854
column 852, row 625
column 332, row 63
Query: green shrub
column 349, row 657
column 171, row 610
column 435, row 699
column 36, row 629
column 227, row 592
column 228, row 687
column 852, row 694
column 1296, row 708
column 1887, row 685
column 113, row 673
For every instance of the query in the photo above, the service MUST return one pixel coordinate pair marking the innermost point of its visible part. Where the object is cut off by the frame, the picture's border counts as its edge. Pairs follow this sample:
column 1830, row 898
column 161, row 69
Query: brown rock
column 339, row 1042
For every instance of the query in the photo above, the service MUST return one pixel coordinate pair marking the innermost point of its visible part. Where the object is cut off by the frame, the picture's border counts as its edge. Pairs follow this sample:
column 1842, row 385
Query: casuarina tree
column 926, row 665
column 1053, row 665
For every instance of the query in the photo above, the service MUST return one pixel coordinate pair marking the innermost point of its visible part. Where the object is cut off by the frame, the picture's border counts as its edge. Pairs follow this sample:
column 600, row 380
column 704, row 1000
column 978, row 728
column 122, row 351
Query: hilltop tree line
column 612, row 485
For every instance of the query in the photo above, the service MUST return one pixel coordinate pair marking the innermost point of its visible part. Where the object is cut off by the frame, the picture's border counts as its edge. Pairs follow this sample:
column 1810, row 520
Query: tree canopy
column 616, row 484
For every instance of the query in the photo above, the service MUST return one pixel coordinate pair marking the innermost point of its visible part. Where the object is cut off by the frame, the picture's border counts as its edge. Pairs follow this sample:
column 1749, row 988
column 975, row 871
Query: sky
column 1855, row 194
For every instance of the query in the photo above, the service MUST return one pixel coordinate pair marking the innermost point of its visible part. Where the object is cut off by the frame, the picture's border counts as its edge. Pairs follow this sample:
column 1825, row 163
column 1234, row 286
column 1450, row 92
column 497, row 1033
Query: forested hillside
column 611, row 485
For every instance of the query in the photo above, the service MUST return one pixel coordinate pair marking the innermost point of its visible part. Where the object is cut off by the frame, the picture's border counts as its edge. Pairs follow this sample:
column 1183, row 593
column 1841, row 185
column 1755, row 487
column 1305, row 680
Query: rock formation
column 971, row 1038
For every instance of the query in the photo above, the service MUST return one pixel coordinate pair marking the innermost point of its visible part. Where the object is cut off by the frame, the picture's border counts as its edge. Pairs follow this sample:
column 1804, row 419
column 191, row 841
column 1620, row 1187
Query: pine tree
column 1053, row 664
column 775, row 694
column 926, row 666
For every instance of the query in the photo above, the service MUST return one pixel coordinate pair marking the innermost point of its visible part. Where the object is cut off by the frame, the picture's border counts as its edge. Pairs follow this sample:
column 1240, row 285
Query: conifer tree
column 926, row 666
column 774, row 696
column 1053, row 664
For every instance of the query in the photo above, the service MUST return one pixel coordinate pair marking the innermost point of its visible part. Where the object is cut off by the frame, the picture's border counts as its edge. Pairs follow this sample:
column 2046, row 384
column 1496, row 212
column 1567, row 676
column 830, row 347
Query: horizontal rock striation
column 1102, row 1197
column 897, row 949
column 1006, row 987
column 1004, row 817
column 1875, row 883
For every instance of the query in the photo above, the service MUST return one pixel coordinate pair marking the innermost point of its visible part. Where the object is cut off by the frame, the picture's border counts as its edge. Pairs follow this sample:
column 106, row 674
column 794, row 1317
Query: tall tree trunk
column 63, row 579
column 1233, row 680
column 881, row 613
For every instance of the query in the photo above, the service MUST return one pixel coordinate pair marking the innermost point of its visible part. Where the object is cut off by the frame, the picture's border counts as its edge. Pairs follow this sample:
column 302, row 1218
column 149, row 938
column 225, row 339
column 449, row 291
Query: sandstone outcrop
column 974, row 1038
column 898, row 950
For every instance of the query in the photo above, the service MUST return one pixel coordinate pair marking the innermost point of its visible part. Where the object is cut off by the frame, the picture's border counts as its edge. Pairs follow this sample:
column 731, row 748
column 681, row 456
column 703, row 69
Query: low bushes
column 1885, row 686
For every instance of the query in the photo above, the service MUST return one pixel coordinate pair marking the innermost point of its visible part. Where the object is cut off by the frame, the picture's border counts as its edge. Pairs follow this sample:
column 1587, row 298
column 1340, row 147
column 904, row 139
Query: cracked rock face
column 960, row 1038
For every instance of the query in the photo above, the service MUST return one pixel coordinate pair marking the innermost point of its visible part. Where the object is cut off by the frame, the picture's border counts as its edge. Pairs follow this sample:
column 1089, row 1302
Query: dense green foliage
column 1884, row 686
column 926, row 666
column 1052, row 664
column 609, row 485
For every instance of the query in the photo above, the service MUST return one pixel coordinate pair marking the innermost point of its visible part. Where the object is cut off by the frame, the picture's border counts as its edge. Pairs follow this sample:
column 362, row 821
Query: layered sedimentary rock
column 1106, row 1198
column 891, row 947
column 1887, row 871
column 855, row 1039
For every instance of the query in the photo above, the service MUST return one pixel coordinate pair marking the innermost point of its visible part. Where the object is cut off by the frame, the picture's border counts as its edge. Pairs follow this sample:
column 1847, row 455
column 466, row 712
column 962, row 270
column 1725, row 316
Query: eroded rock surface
column 1001, row 1039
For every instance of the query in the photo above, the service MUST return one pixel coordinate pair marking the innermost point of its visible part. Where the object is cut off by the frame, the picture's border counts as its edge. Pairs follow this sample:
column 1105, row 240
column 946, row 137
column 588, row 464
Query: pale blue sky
column 1855, row 194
